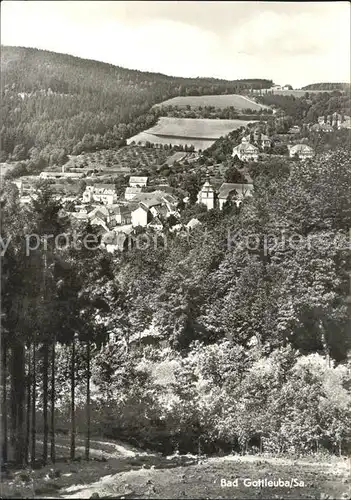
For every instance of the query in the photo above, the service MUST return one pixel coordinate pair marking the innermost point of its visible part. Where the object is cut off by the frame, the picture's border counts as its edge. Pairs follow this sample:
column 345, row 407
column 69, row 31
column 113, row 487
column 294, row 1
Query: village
column 144, row 200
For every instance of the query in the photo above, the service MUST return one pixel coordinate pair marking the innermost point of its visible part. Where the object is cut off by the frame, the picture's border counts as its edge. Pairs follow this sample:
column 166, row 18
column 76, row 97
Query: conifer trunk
column 4, row 402
column 28, row 406
column 73, row 413
column 34, row 382
column 52, row 405
column 87, row 441
column 45, row 401
column 18, row 398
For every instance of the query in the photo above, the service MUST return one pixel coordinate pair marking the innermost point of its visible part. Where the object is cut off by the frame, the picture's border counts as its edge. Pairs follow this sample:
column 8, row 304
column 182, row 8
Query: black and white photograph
column 175, row 247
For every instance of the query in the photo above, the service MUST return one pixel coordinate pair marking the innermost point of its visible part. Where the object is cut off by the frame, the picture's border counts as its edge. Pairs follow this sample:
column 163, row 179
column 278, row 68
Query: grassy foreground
column 122, row 472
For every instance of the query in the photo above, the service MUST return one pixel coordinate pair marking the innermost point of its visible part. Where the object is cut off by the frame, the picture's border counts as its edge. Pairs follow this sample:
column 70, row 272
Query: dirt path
column 203, row 480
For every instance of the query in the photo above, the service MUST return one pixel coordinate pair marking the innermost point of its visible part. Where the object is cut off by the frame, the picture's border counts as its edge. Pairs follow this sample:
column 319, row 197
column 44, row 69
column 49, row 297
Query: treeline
column 327, row 86
column 228, row 113
column 54, row 102
column 250, row 305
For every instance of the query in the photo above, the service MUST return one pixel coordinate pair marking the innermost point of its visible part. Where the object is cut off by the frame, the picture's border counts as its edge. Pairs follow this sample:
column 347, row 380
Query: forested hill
column 327, row 86
column 54, row 104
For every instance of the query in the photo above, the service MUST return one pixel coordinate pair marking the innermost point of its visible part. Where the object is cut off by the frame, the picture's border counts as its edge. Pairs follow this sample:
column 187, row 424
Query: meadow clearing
column 117, row 470
column 239, row 102
column 199, row 132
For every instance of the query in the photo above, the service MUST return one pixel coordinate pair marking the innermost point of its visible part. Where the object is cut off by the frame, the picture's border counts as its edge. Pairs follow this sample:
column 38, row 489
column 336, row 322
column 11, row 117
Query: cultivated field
column 201, row 132
column 238, row 102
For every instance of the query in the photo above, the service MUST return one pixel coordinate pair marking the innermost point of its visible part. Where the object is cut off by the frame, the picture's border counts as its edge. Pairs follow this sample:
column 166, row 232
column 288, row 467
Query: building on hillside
column 295, row 129
column 193, row 223
column 259, row 139
column 302, row 151
column 141, row 216
column 233, row 191
column 246, row 151
column 321, row 127
column 100, row 222
column 160, row 211
column 100, row 211
column 131, row 192
column 336, row 119
column 206, row 195
column 105, row 193
column 80, row 216
column 156, row 224
column 122, row 214
column 345, row 124
column 157, row 204
column 138, row 181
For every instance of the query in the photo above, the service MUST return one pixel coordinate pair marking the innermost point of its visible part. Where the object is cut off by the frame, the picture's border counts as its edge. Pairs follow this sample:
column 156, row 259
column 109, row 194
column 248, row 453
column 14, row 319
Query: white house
column 321, row 127
column 302, row 151
column 246, row 151
column 141, row 216
column 138, row 181
column 105, row 193
column 206, row 195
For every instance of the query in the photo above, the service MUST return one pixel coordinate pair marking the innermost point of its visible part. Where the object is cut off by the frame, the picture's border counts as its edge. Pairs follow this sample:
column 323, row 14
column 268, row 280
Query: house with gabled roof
column 322, row 127
column 138, row 181
column 302, row 151
column 141, row 216
column 246, row 151
column 156, row 224
column 105, row 193
column 121, row 213
column 258, row 139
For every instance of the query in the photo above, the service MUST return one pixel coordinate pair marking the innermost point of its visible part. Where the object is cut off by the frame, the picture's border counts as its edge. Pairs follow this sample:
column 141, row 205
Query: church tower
column 207, row 194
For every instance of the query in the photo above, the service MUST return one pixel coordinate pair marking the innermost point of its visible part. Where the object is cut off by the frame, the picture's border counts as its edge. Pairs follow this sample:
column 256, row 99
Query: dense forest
column 246, row 318
column 327, row 86
column 307, row 109
column 55, row 104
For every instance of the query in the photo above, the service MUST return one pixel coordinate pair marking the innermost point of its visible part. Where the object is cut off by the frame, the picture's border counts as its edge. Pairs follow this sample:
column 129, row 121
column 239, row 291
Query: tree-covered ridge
column 327, row 86
column 307, row 109
column 54, row 102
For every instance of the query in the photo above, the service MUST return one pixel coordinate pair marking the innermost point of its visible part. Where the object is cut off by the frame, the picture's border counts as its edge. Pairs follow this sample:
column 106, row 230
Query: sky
column 295, row 43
